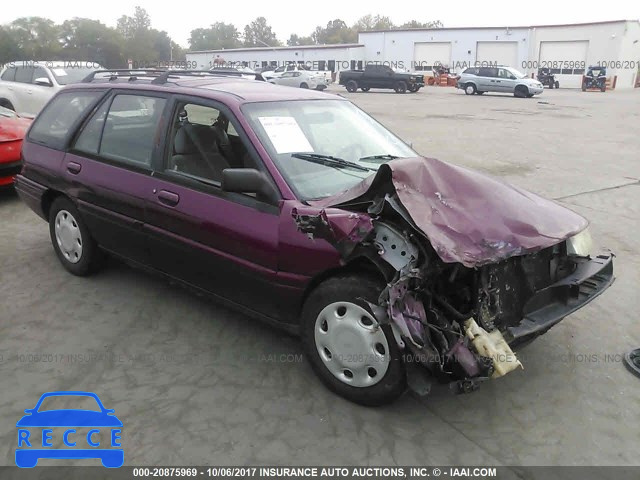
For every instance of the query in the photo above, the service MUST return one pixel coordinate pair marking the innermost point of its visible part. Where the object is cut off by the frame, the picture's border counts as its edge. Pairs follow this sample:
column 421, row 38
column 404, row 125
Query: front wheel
column 521, row 91
column 352, row 86
column 352, row 354
column 72, row 242
column 365, row 89
column 400, row 87
column 557, row 84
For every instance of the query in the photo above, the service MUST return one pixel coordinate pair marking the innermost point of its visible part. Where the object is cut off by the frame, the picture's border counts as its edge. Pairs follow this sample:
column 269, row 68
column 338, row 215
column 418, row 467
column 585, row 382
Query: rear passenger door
column 225, row 243
column 109, row 169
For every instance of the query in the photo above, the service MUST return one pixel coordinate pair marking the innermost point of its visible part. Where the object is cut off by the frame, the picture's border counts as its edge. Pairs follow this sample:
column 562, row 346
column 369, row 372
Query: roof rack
column 133, row 74
column 160, row 77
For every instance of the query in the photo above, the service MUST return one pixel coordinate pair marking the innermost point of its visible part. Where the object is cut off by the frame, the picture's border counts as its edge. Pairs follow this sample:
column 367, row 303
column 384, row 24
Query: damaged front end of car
column 468, row 276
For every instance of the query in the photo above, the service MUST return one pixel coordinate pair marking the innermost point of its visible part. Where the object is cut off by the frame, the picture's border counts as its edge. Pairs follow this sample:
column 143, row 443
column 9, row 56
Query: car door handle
column 168, row 198
column 74, row 168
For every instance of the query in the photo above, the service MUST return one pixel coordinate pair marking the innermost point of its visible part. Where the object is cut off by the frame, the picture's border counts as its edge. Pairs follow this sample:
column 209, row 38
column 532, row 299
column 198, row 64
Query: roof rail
column 133, row 74
column 160, row 77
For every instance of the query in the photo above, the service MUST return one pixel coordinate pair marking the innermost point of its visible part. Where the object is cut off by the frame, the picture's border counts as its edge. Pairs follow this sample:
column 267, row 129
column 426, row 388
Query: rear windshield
column 54, row 123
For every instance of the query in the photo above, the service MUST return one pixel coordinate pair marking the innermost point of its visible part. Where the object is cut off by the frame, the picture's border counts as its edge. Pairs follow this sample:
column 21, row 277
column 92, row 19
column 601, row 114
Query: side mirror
column 249, row 180
column 43, row 81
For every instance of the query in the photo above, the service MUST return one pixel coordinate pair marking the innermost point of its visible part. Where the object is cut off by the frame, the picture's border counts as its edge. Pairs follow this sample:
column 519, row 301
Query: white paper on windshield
column 285, row 134
column 59, row 72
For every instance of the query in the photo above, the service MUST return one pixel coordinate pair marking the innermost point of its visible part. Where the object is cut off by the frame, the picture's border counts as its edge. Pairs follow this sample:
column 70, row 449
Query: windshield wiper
column 330, row 161
column 385, row 156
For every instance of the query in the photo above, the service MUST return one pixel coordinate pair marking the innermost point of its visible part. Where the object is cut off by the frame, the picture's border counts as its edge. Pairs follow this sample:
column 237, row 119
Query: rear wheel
column 521, row 91
column 352, row 354
column 304, row 85
column 557, row 84
column 400, row 87
column 72, row 242
column 470, row 89
column 480, row 93
column 352, row 86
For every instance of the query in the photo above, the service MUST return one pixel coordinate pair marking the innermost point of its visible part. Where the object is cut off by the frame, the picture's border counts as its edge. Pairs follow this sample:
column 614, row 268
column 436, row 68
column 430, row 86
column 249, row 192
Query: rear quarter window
column 54, row 124
column 9, row 74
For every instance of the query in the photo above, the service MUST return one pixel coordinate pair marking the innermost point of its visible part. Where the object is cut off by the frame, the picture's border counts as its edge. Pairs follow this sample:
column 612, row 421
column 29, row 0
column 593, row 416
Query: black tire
column 603, row 88
column 584, row 87
column 556, row 84
column 354, row 289
column 352, row 86
column 529, row 95
column 480, row 93
column 365, row 89
column 521, row 91
column 304, row 85
column 551, row 85
column 91, row 258
column 400, row 87
column 414, row 89
column 470, row 89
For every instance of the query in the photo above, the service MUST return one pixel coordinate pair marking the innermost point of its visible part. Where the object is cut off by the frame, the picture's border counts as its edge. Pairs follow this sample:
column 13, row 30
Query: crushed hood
column 468, row 217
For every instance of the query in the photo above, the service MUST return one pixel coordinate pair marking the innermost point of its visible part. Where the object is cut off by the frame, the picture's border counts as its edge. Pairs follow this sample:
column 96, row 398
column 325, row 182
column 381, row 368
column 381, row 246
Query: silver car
column 498, row 79
column 301, row 79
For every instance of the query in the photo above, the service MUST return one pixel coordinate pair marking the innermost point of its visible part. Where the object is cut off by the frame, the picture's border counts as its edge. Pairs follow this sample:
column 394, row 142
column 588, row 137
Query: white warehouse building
column 566, row 49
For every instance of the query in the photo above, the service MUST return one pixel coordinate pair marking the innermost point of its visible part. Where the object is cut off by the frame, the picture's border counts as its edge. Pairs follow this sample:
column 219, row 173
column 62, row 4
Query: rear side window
column 24, row 74
column 9, row 74
column 123, row 130
column 52, row 126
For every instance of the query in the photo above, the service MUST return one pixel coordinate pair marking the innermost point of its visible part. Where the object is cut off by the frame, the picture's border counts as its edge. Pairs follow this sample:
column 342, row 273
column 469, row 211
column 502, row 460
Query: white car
column 301, row 79
column 26, row 87
column 293, row 67
column 244, row 72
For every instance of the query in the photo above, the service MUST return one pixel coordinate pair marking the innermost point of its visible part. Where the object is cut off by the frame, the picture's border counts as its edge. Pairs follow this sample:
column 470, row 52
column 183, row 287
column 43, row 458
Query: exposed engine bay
column 456, row 317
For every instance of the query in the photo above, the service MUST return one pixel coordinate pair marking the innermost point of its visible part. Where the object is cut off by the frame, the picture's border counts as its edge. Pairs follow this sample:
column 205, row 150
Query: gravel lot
column 195, row 383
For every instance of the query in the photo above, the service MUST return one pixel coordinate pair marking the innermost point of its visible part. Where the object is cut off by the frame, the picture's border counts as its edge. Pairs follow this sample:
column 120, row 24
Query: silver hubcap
column 469, row 90
column 68, row 236
column 351, row 344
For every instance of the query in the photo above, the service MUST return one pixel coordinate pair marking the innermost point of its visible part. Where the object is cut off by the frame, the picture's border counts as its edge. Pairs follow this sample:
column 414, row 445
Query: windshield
column 336, row 128
column 515, row 72
column 68, row 75
column 5, row 112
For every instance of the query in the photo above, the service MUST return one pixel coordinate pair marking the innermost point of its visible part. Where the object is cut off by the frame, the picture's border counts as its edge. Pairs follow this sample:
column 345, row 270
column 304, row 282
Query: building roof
column 503, row 27
column 263, row 49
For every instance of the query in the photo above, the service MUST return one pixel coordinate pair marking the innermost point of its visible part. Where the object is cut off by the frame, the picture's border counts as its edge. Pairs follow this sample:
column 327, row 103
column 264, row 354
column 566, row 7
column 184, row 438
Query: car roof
column 235, row 89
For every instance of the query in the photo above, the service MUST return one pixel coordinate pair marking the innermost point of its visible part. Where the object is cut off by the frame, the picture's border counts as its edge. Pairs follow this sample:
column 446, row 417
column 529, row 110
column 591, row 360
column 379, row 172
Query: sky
column 301, row 17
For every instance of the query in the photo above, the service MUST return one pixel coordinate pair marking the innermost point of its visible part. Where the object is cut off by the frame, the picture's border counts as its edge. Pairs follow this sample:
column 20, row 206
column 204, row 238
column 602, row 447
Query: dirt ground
column 195, row 383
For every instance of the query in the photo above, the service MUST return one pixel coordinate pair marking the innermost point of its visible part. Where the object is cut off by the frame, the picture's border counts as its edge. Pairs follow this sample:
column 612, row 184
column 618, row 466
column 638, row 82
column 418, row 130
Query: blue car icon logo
column 84, row 433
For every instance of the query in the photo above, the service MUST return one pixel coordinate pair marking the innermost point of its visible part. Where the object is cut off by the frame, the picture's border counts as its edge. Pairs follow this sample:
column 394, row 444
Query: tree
column 130, row 27
column 295, row 40
column 36, row 38
column 335, row 32
column 91, row 40
column 9, row 50
column 217, row 36
column 371, row 22
column 259, row 34
column 417, row 24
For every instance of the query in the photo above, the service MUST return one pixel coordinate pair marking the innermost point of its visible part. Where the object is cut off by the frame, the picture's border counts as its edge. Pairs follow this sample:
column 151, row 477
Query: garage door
column 501, row 53
column 565, row 59
column 428, row 54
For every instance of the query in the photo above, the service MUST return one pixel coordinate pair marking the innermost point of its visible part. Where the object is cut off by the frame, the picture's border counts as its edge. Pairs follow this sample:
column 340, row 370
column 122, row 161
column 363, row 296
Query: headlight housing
column 580, row 244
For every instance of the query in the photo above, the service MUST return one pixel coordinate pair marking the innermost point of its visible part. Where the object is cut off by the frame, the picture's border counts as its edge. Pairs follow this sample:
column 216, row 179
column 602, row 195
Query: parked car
column 301, row 79
column 26, row 87
column 12, row 131
column 244, row 72
column 298, row 208
column 498, row 79
column 380, row 76
column 270, row 74
column 595, row 78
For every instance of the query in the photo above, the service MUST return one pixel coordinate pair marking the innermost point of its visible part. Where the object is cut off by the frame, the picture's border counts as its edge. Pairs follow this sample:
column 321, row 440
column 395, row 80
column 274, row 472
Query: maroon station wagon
column 396, row 270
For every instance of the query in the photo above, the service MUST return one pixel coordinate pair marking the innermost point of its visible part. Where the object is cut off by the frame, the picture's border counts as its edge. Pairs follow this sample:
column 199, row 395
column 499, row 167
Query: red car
column 12, row 131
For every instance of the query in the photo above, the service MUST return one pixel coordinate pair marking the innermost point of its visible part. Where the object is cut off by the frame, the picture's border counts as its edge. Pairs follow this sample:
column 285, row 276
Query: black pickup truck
column 380, row 76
